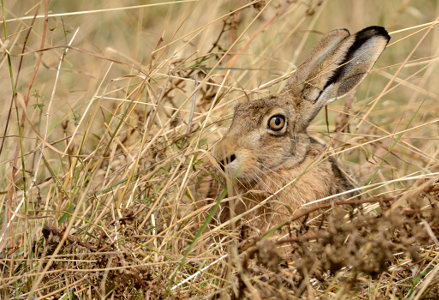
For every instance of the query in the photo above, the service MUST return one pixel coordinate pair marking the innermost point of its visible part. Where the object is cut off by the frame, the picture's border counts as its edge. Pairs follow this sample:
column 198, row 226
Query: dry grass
column 108, row 117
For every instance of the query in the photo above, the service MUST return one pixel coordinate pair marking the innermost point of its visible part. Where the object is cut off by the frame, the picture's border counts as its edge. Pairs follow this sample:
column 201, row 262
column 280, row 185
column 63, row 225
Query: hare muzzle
column 226, row 161
column 226, row 156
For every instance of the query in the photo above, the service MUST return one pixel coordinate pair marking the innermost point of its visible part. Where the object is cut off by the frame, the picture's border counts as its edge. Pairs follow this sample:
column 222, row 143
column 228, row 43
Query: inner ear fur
column 336, row 65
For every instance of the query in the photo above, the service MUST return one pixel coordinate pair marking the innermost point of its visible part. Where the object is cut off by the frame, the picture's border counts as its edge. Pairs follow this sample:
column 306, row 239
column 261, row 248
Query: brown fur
column 261, row 161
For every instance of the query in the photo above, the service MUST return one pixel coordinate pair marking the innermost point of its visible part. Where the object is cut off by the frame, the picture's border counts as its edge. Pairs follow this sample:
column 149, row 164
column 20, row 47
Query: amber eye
column 276, row 122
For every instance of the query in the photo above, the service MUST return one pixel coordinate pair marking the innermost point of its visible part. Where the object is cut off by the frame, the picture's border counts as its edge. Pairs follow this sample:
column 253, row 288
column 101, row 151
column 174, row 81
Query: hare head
column 269, row 135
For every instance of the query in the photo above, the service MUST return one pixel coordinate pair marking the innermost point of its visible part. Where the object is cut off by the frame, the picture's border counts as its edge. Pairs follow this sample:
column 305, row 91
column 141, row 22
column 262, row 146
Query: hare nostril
column 227, row 160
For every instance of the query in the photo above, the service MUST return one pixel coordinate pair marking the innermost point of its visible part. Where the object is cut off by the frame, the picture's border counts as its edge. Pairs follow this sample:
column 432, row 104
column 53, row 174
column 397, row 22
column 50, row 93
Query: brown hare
column 267, row 150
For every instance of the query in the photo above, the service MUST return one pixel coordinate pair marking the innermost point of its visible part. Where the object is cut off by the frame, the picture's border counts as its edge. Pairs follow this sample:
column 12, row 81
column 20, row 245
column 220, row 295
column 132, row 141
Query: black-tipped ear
column 343, row 63
column 363, row 40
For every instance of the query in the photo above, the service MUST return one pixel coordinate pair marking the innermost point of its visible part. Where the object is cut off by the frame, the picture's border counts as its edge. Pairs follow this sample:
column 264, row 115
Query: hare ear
column 337, row 64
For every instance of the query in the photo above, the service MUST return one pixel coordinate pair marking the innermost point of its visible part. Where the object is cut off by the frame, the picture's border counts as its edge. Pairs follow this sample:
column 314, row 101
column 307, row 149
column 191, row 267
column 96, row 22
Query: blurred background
column 120, row 103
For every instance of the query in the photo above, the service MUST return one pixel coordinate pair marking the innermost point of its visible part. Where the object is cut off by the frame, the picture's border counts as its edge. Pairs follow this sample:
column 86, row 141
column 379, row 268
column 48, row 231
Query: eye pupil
column 276, row 123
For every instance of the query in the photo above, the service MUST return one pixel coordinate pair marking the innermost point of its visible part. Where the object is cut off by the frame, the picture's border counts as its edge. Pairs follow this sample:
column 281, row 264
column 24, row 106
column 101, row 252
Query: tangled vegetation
column 110, row 189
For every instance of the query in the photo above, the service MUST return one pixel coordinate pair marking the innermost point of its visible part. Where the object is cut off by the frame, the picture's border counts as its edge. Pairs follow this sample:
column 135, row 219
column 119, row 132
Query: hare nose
column 226, row 161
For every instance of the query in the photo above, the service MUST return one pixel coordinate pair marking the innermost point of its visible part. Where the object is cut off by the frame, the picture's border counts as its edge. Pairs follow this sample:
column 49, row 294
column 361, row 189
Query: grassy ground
column 110, row 109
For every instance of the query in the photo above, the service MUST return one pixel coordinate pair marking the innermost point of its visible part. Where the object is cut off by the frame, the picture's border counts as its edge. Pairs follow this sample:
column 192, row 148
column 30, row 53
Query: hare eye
column 276, row 122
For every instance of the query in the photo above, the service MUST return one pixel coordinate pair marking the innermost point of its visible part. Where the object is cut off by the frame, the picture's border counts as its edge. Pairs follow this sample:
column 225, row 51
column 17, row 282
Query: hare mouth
column 245, row 177
column 226, row 162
